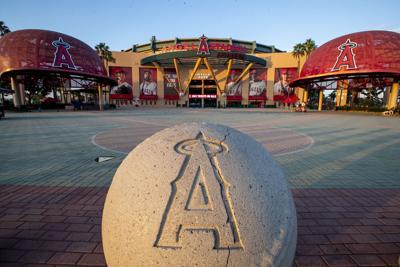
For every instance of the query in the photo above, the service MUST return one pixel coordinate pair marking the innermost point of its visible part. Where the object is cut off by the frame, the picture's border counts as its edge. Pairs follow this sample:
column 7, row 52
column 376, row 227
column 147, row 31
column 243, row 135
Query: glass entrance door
column 195, row 100
column 203, row 94
column 210, row 97
column 195, row 93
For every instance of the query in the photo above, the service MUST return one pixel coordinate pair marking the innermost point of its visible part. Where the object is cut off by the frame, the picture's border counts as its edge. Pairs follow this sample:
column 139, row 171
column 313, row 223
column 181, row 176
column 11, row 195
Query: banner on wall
column 257, row 84
column 171, row 85
column 123, row 76
column 148, row 83
column 234, row 89
column 282, row 91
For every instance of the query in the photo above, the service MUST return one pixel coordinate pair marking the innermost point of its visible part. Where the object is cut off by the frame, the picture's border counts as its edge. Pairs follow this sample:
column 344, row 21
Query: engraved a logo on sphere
column 200, row 198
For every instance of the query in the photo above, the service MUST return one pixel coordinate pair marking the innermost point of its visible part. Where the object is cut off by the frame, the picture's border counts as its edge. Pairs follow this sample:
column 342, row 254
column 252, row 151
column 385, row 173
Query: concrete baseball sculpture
column 199, row 194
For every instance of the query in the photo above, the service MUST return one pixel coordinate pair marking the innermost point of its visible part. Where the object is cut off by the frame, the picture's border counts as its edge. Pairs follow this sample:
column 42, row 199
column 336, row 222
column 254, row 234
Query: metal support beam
column 212, row 73
column 244, row 72
column 22, row 93
column 157, row 65
column 321, row 97
column 178, row 74
column 17, row 92
column 305, row 96
column 393, row 96
column 196, row 67
column 100, row 90
column 340, row 91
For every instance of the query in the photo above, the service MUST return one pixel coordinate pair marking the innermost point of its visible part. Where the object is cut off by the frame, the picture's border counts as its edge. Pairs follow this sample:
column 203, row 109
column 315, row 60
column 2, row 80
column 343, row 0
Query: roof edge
column 261, row 48
column 67, row 73
column 342, row 75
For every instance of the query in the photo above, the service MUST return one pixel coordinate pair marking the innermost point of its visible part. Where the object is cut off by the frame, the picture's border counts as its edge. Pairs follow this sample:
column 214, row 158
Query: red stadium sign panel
column 204, row 47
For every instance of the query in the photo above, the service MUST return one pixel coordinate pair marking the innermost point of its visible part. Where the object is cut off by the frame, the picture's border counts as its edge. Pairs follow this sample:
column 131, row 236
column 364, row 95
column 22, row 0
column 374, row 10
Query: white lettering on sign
column 202, row 96
column 202, row 76
column 203, row 47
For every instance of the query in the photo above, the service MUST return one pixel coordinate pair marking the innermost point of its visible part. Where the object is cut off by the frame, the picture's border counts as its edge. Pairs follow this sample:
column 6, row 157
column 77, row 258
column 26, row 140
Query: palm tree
column 332, row 96
column 3, row 28
column 309, row 47
column 298, row 52
column 105, row 54
column 303, row 49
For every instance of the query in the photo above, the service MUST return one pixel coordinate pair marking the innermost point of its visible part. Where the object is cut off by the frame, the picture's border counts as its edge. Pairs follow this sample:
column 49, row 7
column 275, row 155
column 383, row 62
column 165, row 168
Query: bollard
column 199, row 195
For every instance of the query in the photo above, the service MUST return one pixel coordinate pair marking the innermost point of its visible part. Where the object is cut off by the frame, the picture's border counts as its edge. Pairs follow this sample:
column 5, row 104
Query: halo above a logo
column 346, row 58
column 62, row 57
column 203, row 46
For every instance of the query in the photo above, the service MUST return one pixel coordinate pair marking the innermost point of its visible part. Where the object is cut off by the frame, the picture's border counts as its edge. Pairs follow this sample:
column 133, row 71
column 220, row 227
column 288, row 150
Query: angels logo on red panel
column 346, row 57
column 62, row 57
column 203, row 46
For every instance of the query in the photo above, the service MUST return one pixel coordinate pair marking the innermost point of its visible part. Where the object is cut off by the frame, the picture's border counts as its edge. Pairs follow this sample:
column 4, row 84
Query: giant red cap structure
column 33, row 51
column 369, row 53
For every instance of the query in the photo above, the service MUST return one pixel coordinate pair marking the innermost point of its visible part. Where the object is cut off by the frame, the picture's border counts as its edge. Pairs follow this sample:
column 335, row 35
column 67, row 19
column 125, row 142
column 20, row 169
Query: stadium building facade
column 200, row 72
column 204, row 72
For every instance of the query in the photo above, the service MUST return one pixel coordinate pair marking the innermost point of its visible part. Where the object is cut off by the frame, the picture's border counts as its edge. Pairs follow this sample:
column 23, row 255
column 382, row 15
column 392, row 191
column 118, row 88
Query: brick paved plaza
column 343, row 169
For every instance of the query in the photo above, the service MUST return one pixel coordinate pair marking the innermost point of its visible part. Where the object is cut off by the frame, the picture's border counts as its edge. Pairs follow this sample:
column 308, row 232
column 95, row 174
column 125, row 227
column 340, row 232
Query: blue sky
column 281, row 23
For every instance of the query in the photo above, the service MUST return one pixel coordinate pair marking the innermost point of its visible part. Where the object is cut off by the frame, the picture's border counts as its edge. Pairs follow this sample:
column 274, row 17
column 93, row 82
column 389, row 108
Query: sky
column 120, row 24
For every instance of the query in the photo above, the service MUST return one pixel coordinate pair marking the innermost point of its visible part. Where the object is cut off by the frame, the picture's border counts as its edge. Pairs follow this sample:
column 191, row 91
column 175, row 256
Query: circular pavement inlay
column 277, row 141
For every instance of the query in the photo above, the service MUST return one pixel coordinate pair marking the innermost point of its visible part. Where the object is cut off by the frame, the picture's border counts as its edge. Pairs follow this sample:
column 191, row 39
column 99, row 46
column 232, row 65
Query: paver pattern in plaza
column 343, row 170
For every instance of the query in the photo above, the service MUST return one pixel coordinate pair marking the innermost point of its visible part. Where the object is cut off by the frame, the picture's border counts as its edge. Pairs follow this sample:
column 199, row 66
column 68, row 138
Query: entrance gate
column 203, row 94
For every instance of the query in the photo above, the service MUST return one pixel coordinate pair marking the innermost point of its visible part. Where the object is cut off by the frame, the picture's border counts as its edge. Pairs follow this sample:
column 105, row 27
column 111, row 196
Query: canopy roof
column 49, row 53
column 159, row 45
column 215, row 58
column 361, row 54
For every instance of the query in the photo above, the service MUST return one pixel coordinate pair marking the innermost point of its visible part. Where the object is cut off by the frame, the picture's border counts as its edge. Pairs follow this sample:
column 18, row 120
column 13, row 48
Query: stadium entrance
column 203, row 72
column 203, row 94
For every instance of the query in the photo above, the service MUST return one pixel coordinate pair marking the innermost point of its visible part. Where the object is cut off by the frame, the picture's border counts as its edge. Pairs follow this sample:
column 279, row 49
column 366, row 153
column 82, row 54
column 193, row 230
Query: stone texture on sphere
column 199, row 195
